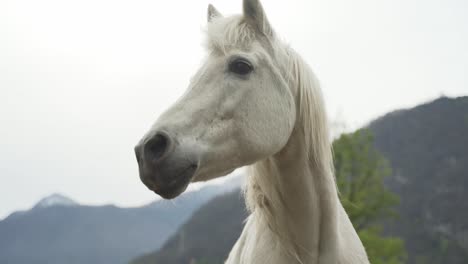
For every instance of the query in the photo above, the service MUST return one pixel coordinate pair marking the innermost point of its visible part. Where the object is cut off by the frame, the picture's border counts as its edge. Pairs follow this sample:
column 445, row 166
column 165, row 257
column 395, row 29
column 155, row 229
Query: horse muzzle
column 165, row 167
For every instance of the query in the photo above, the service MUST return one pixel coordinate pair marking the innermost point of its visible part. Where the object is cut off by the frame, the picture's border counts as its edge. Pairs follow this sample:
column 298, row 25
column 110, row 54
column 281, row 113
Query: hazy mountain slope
column 53, row 233
column 207, row 237
column 428, row 150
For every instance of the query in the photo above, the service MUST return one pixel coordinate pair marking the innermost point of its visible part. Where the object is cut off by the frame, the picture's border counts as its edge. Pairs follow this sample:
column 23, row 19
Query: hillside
column 207, row 237
column 428, row 149
column 58, row 230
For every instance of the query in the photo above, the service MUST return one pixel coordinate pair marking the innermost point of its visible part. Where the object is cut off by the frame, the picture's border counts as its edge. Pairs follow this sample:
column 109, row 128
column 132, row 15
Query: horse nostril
column 156, row 147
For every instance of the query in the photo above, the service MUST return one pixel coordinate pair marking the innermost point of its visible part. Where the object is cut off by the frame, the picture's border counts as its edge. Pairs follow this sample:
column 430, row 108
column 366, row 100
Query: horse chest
column 258, row 245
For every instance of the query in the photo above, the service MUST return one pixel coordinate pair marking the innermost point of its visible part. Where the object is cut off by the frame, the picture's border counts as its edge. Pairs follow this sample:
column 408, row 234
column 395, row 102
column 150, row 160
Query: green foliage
column 360, row 171
column 382, row 250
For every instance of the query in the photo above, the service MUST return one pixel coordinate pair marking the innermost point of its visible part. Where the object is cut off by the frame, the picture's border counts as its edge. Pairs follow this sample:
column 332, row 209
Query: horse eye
column 240, row 67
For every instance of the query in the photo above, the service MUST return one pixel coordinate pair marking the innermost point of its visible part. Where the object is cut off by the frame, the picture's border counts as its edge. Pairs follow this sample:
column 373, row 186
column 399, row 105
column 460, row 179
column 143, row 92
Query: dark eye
column 240, row 66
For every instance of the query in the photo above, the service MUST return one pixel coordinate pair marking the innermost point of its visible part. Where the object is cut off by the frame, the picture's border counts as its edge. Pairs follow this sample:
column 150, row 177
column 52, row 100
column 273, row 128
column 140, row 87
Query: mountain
column 58, row 230
column 55, row 199
column 427, row 147
column 207, row 237
column 428, row 150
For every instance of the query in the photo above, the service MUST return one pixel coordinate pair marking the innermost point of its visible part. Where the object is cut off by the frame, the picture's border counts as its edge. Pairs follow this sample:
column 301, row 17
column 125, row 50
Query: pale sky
column 81, row 81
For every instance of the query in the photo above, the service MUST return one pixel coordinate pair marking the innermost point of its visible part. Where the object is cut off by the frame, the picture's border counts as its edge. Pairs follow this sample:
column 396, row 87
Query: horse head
column 238, row 108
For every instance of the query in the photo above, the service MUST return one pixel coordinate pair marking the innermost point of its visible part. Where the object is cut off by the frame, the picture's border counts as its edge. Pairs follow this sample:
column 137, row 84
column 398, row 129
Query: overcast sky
column 81, row 81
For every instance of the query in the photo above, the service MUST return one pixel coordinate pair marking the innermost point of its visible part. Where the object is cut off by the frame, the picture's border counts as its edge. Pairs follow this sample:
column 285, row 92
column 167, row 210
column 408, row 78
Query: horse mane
column 263, row 194
column 312, row 114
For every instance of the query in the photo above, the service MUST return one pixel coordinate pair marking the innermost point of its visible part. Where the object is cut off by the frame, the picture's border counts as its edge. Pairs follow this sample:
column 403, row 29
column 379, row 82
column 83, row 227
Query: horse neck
column 293, row 192
column 296, row 200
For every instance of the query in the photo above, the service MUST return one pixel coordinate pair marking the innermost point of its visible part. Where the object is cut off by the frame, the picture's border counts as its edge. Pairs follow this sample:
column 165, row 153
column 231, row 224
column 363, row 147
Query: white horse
column 255, row 102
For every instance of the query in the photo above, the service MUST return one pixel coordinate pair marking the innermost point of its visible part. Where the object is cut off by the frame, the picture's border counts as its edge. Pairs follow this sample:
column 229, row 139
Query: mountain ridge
column 77, row 234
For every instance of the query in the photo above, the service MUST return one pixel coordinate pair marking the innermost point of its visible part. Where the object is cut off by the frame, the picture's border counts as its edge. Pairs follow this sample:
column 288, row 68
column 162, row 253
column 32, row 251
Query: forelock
column 228, row 33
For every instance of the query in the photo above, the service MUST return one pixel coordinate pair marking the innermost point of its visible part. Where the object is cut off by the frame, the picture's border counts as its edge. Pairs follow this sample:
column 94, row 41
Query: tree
column 360, row 171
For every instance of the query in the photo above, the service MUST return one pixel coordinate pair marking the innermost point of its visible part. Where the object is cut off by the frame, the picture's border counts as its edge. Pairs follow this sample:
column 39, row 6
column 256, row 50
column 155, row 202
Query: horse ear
column 212, row 13
column 254, row 13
